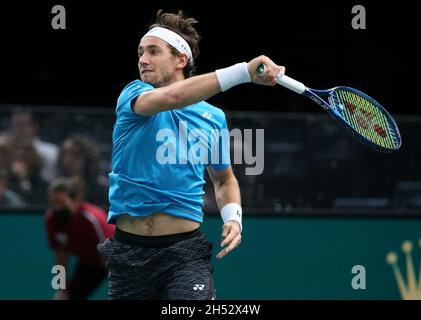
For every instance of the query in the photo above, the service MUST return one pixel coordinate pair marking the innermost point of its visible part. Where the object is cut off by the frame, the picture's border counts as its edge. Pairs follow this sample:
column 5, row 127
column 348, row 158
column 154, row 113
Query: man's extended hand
column 271, row 73
column 231, row 237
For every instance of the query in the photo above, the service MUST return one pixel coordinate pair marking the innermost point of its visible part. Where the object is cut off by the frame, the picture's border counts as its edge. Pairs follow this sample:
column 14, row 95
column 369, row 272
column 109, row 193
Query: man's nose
column 143, row 60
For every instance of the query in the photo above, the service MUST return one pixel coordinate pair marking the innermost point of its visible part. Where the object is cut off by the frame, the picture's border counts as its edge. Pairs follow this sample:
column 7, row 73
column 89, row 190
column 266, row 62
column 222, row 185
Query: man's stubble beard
column 162, row 82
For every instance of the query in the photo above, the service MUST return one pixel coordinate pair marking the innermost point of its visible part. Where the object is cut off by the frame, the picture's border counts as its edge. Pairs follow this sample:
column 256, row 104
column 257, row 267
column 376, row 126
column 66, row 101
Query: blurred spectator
column 23, row 129
column 75, row 227
column 5, row 150
column 8, row 198
column 25, row 174
column 80, row 157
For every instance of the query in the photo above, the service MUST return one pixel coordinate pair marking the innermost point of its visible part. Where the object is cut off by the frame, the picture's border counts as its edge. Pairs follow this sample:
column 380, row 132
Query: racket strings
column 365, row 118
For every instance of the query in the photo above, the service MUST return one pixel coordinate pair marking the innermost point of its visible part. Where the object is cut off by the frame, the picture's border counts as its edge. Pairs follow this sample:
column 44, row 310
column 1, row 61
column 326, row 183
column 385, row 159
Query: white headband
column 172, row 39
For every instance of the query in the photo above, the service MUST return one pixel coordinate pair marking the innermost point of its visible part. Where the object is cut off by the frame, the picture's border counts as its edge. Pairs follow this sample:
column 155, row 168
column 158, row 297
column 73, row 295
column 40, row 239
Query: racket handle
column 285, row 81
column 291, row 84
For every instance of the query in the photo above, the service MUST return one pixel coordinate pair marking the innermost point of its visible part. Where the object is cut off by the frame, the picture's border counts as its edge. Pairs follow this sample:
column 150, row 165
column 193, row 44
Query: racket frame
column 316, row 96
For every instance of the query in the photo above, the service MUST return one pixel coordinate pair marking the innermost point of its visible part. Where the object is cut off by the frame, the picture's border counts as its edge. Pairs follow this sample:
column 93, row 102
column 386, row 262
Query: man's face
column 157, row 65
column 60, row 200
column 3, row 185
column 22, row 127
column 72, row 159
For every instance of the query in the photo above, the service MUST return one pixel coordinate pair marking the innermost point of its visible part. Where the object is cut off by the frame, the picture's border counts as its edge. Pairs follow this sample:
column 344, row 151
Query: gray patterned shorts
column 159, row 267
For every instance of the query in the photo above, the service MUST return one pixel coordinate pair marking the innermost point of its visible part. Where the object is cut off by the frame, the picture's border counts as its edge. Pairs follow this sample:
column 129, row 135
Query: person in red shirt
column 76, row 227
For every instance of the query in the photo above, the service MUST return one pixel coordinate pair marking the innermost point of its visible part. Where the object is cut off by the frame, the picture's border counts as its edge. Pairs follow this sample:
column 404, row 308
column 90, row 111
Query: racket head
column 366, row 119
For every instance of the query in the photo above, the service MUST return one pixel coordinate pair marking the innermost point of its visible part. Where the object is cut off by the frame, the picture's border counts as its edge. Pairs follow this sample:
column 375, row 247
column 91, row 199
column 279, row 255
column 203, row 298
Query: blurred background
column 324, row 202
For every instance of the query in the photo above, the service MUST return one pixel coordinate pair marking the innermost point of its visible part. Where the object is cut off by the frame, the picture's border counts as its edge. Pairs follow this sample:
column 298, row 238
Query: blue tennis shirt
column 159, row 161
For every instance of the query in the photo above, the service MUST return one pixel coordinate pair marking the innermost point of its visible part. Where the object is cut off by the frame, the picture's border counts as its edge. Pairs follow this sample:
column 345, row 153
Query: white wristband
column 232, row 211
column 232, row 76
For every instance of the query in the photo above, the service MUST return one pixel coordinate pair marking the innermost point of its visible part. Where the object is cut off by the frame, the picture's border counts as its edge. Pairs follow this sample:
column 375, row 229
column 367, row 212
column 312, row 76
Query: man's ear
column 182, row 61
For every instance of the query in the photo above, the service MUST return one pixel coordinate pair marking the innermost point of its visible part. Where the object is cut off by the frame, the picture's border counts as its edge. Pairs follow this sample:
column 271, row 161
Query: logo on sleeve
column 206, row 115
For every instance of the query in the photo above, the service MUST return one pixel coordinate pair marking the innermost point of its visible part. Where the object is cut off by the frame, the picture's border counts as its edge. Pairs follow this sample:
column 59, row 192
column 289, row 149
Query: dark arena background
column 327, row 218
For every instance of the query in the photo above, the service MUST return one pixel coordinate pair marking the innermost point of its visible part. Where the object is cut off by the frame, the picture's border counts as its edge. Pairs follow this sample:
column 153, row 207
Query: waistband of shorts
column 153, row 241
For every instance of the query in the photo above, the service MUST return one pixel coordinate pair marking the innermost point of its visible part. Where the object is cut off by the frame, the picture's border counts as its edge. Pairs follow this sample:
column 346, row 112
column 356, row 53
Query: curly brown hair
column 184, row 27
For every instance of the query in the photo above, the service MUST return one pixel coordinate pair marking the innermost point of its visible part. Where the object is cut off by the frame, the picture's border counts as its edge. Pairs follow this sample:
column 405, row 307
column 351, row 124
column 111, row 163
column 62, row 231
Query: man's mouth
column 145, row 71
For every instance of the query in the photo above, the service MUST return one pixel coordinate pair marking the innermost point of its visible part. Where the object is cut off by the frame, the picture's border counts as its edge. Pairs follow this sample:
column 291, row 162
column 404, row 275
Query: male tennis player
column 158, row 251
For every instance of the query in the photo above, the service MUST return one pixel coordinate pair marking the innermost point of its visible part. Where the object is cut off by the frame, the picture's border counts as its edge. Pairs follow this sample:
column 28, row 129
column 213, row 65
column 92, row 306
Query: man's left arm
column 227, row 194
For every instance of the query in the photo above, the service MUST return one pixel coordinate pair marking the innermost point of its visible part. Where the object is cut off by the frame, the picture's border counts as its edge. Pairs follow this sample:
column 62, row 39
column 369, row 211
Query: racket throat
column 324, row 104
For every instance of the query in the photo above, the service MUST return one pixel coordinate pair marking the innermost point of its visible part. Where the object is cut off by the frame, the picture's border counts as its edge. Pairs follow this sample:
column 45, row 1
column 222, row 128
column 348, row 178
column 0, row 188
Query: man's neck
column 176, row 78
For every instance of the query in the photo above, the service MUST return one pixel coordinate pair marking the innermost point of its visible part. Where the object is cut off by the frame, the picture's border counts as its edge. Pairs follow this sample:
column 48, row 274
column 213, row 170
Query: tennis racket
column 363, row 116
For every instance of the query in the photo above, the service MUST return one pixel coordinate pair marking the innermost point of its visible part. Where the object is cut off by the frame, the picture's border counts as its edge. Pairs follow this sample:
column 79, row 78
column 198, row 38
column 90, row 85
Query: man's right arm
column 198, row 88
column 61, row 258
column 177, row 95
